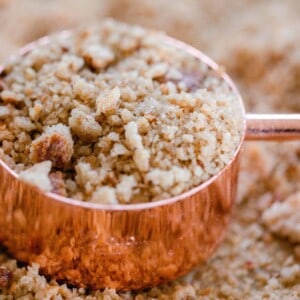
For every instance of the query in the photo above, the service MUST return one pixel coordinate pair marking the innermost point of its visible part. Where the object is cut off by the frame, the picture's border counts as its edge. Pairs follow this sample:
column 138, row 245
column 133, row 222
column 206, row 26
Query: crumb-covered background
column 258, row 42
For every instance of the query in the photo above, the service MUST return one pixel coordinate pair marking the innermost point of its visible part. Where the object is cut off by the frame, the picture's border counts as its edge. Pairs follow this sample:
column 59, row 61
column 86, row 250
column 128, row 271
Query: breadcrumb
column 38, row 175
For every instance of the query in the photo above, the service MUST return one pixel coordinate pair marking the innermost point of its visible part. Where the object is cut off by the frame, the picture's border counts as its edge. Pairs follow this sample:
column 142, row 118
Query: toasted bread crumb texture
column 123, row 116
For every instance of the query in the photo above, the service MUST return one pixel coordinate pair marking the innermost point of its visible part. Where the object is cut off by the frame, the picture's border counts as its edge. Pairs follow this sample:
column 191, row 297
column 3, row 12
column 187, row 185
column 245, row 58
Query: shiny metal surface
column 121, row 246
column 273, row 127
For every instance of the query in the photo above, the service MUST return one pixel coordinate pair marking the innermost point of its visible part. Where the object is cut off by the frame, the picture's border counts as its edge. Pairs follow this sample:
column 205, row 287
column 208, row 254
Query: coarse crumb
column 38, row 175
column 55, row 144
column 57, row 183
column 283, row 218
column 109, row 98
column 5, row 277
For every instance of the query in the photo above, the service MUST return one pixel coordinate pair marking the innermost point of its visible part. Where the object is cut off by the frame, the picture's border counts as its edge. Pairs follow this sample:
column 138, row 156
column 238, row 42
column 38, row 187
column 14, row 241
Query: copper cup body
column 119, row 248
column 122, row 246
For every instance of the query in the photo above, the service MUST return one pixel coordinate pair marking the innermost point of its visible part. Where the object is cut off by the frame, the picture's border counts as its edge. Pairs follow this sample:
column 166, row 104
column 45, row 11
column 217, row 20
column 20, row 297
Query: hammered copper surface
column 119, row 248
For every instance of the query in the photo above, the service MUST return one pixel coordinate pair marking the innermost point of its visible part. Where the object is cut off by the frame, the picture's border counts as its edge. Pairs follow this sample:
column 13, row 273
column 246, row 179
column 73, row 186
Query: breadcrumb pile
column 116, row 114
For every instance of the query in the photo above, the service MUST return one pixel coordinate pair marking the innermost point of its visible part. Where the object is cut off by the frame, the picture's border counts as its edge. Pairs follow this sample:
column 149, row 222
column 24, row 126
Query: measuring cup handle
column 273, row 127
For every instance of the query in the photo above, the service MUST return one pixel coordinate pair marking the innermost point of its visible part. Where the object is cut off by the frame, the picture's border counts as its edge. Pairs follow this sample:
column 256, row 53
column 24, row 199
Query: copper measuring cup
column 128, row 246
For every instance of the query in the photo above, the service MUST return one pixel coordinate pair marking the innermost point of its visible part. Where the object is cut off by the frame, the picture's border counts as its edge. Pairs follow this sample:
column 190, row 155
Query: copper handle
column 273, row 127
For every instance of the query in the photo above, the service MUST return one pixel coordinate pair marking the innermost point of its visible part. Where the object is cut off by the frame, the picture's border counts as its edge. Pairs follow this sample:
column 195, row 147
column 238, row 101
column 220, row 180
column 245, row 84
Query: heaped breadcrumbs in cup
column 115, row 113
